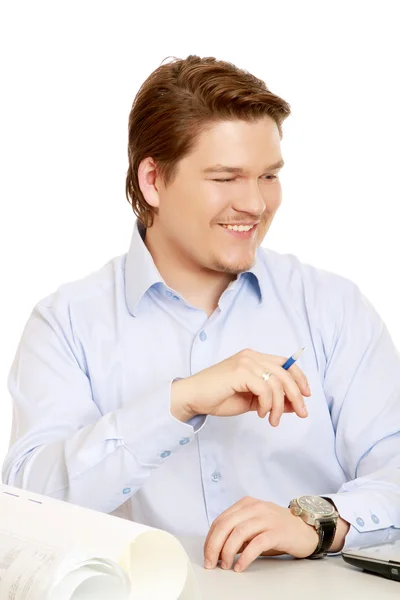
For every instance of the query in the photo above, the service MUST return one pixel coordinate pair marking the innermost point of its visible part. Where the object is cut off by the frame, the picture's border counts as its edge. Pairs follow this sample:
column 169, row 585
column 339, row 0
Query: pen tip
column 296, row 356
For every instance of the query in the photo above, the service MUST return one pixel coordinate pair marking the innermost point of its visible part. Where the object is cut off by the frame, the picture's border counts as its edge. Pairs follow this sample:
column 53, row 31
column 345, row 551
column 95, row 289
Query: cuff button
column 375, row 519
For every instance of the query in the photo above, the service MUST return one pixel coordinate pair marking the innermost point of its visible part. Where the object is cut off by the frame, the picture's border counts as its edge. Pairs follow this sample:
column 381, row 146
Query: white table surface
column 284, row 578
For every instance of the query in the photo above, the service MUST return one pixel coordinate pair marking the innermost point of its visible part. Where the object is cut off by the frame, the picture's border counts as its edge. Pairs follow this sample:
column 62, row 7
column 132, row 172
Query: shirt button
column 360, row 522
column 203, row 336
column 216, row 476
column 375, row 519
column 184, row 441
column 126, row 490
column 169, row 294
column 165, row 454
column 175, row 297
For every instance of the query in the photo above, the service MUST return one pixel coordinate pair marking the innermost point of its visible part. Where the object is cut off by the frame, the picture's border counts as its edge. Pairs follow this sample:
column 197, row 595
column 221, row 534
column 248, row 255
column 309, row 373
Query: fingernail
column 224, row 565
column 207, row 564
column 304, row 411
column 308, row 389
column 237, row 568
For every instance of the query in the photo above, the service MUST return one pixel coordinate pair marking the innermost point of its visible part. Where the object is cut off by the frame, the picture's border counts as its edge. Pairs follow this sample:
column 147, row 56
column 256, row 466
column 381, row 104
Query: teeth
column 239, row 227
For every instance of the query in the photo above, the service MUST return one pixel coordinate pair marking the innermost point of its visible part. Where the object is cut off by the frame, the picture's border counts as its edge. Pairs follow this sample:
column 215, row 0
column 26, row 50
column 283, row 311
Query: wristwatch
column 320, row 513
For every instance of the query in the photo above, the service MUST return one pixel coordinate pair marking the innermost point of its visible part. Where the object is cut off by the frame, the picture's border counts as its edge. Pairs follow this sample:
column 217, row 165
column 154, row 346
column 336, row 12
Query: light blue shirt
column 91, row 386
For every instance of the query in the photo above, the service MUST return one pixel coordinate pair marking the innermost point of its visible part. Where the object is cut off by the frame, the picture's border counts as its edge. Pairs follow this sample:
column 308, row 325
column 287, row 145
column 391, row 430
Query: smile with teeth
column 239, row 227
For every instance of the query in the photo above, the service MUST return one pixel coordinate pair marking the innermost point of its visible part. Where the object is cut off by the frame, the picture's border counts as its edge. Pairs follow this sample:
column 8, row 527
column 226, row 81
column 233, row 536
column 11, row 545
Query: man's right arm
column 62, row 446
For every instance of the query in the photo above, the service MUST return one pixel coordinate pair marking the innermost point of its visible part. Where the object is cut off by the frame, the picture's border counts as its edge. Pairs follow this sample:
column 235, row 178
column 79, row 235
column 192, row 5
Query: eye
column 270, row 177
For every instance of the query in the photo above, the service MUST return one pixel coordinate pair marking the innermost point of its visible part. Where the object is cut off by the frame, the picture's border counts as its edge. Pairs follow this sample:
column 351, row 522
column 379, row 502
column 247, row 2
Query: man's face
column 194, row 208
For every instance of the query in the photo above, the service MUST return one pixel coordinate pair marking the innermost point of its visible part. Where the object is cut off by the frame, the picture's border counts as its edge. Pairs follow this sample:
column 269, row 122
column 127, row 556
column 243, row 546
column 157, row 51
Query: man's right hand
column 235, row 386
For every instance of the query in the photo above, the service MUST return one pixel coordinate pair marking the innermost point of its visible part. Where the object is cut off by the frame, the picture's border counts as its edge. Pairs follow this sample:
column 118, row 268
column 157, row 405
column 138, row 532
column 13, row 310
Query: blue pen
column 292, row 359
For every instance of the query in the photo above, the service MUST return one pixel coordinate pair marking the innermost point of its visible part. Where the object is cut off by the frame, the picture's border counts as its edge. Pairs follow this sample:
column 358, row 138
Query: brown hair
column 177, row 102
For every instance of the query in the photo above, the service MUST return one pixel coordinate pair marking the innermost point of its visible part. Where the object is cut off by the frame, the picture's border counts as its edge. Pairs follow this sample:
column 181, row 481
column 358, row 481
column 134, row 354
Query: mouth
column 241, row 232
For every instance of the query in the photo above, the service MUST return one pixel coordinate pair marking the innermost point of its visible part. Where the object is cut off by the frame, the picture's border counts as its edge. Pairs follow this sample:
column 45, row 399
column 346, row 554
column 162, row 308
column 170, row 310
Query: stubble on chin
column 231, row 268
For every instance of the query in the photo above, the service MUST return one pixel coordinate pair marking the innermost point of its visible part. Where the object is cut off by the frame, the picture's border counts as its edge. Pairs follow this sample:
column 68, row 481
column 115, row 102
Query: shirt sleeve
column 362, row 387
column 61, row 444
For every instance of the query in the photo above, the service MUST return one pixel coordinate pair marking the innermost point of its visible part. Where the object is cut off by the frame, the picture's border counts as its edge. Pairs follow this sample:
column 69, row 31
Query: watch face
column 316, row 505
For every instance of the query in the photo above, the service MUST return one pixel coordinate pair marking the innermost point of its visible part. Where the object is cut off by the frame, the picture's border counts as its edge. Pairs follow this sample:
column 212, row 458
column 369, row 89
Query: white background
column 69, row 74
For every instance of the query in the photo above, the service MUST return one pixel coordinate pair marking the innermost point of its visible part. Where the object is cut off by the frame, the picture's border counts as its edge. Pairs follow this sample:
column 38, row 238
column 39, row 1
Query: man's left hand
column 254, row 527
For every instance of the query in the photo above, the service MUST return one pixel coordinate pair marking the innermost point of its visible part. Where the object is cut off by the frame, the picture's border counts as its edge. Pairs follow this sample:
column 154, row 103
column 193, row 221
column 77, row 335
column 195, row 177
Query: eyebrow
column 224, row 169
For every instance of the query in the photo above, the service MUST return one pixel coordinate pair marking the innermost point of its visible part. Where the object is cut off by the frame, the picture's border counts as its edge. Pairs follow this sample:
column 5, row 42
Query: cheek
column 182, row 204
column 212, row 203
column 217, row 195
column 273, row 197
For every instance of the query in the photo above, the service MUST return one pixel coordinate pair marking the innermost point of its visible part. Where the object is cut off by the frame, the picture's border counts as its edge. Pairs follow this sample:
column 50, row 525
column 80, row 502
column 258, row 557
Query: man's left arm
column 362, row 387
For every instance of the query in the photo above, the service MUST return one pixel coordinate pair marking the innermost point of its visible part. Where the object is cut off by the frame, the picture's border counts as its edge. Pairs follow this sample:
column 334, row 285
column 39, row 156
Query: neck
column 199, row 286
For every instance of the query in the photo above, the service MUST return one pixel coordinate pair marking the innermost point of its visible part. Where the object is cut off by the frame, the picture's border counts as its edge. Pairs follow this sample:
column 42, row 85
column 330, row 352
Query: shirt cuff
column 149, row 430
column 197, row 422
column 368, row 518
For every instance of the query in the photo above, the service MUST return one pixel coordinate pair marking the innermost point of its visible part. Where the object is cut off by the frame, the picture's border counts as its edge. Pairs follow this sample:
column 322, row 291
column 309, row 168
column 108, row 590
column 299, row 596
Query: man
column 143, row 389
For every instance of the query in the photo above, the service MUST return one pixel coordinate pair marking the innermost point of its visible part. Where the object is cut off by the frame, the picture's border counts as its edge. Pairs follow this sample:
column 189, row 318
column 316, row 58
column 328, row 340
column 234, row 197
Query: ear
column 147, row 177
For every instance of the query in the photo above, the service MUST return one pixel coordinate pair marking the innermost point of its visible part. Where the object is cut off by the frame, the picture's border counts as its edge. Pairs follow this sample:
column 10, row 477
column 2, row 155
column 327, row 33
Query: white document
column 30, row 570
column 63, row 536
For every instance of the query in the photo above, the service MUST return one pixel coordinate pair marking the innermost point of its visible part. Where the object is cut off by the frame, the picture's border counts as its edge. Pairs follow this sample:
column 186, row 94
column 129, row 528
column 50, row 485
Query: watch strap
column 326, row 532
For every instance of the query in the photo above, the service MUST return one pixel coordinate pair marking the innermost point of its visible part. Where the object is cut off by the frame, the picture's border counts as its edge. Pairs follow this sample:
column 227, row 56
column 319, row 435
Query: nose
column 250, row 201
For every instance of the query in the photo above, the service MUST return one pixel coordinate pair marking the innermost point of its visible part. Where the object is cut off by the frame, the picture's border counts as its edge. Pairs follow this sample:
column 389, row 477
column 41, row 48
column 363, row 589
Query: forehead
column 238, row 143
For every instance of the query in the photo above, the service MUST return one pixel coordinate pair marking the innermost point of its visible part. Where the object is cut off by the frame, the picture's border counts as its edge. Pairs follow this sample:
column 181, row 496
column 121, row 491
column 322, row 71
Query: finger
column 272, row 552
column 278, row 401
column 290, row 388
column 240, row 534
column 220, row 531
column 242, row 503
column 296, row 373
column 209, row 554
column 261, row 389
column 287, row 407
column 261, row 543
column 300, row 379
column 264, row 393
column 252, row 379
column 292, row 392
column 271, row 393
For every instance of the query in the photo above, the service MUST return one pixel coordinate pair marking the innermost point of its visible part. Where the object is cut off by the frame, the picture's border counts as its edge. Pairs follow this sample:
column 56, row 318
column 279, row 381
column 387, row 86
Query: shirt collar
column 255, row 275
column 141, row 273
